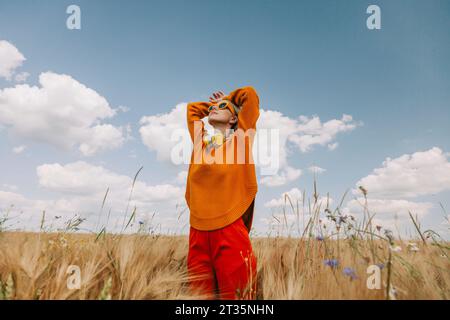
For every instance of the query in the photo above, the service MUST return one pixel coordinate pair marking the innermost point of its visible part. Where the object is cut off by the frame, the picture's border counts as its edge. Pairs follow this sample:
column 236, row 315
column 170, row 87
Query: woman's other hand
column 216, row 96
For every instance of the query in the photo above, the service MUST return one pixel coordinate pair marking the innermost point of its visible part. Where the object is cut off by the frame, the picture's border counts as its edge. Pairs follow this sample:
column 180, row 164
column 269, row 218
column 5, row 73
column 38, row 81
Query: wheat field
column 35, row 266
column 335, row 256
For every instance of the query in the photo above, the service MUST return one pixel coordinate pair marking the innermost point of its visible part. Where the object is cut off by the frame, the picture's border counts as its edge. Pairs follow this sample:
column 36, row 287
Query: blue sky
column 309, row 58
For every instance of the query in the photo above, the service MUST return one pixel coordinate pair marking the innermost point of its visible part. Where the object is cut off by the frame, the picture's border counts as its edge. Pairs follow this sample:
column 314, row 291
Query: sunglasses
column 221, row 106
column 224, row 105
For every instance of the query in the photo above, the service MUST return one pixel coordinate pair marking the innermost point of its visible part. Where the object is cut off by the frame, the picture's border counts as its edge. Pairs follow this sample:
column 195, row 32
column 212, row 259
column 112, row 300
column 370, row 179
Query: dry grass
column 34, row 266
column 328, row 261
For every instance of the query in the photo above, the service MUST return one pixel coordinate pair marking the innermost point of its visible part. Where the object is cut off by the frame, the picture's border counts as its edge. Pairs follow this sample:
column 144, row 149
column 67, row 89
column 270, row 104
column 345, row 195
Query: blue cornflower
column 333, row 263
column 141, row 222
column 350, row 272
column 380, row 265
column 320, row 238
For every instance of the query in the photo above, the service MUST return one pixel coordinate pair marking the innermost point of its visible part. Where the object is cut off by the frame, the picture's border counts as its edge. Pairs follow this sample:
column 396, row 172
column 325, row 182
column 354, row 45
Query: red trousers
column 221, row 264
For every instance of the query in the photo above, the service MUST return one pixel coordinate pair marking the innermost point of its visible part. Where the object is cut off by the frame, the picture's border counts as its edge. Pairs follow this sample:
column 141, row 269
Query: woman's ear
column 233, row 119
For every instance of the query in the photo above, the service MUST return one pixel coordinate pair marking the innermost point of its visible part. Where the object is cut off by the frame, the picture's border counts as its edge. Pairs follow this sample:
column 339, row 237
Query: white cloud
column 280, row 220
column 182, row 177
column 19, row 149
column 269, row 119
column 287, row 220
column 408, row 176
column 316, row 169
column 76, row 179
column 21, row 77
column 286, row 175
column 104, row 136
column 156, row 131
column 391, row 187
column 294, row 194
column 8, row 199
column 390, row 214
column 123, row 109
column 133, row 154
column 388, row 208
column 61, row 112
column 10, row 59
column 80, row 188
column 311, row 131
column 10, row 187
column 26, row 213
column 333, row 146
column 303, row 133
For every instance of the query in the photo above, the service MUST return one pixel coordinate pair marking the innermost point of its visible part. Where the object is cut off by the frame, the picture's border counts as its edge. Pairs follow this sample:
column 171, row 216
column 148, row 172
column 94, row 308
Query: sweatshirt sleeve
column 248, row 100
column 196, row 111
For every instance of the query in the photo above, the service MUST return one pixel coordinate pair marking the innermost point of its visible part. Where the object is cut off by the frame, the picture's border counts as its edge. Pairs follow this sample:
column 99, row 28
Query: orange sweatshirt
column 219, row 193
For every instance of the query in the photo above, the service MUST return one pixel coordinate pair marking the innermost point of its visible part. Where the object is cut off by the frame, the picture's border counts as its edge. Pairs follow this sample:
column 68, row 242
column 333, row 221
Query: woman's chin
column 212, row 121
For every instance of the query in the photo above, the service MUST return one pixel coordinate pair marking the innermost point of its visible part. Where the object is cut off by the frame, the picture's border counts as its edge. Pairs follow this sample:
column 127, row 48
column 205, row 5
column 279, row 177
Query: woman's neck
column 223, row 129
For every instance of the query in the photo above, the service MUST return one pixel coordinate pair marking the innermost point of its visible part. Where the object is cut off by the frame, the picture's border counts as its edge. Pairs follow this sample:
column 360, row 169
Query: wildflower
column 342, row 219
column 350, row 273
column 395, row 248
column 393, row 293
column 141, row 222
column 320, row 238
column 389, row 234
column 412, row 247
column 333, row 263
column 380, row 265
column 378, row 228
column 63, row 242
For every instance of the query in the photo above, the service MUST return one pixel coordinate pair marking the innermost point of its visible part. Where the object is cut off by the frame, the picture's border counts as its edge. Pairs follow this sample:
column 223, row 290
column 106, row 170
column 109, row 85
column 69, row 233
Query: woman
column 221, row 195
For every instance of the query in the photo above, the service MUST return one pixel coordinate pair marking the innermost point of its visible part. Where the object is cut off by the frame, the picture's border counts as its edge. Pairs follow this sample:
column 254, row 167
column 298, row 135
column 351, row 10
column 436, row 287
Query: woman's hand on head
column 216, row 96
